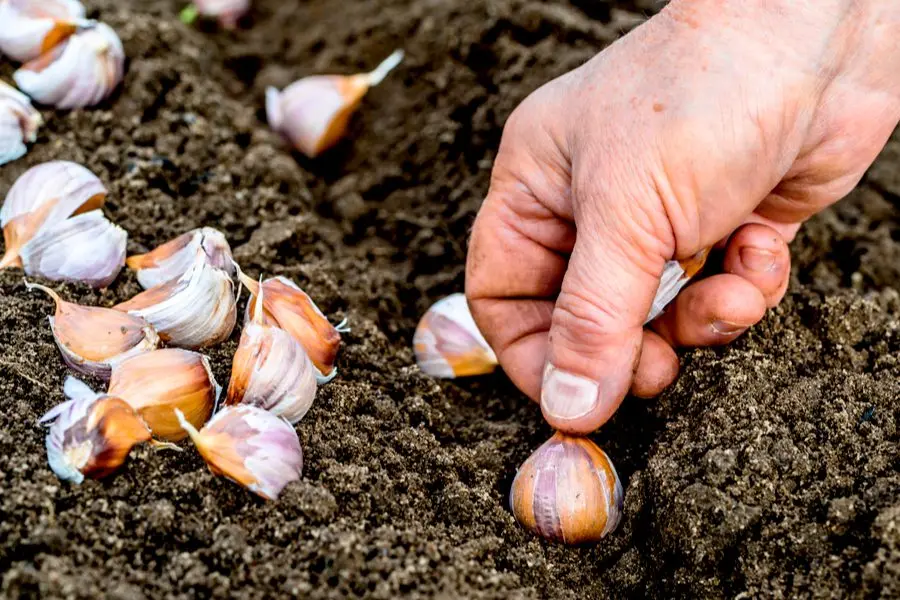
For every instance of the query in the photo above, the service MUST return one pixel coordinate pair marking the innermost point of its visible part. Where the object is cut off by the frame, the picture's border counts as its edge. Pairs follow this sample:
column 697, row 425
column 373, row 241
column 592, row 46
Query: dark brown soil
column 772, row 469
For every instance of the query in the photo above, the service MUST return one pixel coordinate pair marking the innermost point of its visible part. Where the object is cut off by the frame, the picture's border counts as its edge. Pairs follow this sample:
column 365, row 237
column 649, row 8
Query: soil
column 771, row 469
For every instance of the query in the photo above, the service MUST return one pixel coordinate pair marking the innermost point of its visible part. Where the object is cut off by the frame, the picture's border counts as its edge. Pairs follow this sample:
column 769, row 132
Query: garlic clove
column 28, row 28
column 93, row 339
column 86, row 248
column 156, row 383
column 42, row 197
column 313, row 113
column 676, row 275
column 172, row 259
column 228, row 12
column 568, row 491
column 194, row 311
column 91, row 434
column 79, row 72
column 291, row 309
column 19, row 122
column 271, row 370
column 251, row 447
column 448, row 344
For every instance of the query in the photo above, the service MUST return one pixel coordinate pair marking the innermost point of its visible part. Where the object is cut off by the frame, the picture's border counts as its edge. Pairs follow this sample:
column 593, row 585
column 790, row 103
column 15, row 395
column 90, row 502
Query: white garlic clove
column 251, row 447
column 19, row 122
column 313, row 113
column 42, row 197
column 29, row 28
column 195, row 311
column 86, row 248
column 227, row 12
column 271, row 370
column 448, row 344
column 676, row 274
column 172, row 259
column 81, row 71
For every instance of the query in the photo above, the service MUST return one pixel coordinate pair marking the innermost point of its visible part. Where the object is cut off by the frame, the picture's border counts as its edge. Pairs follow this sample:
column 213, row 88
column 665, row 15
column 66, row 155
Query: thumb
column 597, row 324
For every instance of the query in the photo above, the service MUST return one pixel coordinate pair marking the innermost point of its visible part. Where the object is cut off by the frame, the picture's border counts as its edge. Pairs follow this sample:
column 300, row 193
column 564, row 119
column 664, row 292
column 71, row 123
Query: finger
column 760, row 255
column 712, row 311
column 657, row 368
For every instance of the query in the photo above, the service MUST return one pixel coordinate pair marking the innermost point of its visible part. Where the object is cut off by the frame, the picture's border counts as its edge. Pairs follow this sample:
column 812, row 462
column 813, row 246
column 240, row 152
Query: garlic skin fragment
column 29, row 28
column 79, row 72
column 194, row 311
column 158, row 382
column 86, row 248
column 676, row 274
column 92, row 339
column 568, row 491
column 313, row 113
column 19, row 122
column 91, row 434
column 42, row 197
column 448, row 344
column 251, row 447
column 173, row 258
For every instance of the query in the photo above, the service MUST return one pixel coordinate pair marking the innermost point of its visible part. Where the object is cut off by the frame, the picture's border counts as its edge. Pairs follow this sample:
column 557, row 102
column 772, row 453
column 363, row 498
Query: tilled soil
column 771, row 469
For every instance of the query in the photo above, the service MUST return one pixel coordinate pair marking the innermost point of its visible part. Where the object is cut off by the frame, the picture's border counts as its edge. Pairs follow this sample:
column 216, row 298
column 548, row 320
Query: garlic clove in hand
column 251, row 447
column 676, row 274
column 29, row 28
column 313, row 112
column 172, row 259
column 448, row 344
column 19, row 122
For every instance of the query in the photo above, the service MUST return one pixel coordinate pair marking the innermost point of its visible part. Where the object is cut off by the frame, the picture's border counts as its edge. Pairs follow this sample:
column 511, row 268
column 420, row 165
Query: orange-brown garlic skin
column 115, row 429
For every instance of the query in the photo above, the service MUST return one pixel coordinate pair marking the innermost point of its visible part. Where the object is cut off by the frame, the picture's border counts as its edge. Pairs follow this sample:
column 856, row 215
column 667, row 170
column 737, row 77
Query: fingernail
column 726, row 328
column 757, row 259
column 567, row 396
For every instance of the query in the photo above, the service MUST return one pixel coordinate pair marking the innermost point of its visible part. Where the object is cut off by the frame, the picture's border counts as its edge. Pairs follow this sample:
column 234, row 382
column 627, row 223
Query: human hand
column 713, row 123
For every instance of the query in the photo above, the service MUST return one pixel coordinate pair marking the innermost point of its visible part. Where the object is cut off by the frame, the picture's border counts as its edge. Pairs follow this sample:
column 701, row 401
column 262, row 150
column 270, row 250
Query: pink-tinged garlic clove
column 313, row 113
column 29, row 28
column 19, row 122
column 172, row 259
column 42, row 197
column 79, row 72
column 676, row 274
column 448, row 344
column 227, row 12
column 251, row 447
column 86, row 248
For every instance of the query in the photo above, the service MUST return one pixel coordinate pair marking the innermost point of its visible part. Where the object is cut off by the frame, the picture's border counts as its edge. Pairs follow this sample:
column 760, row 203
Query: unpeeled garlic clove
column 42, row 197
column 86, row 248
column 251, row 447
column 228, row 12
column 194, row 311
column 79, row 72
column 158, row 382
column 91, row 434
column 93, row 339
column 676, row 274
column 313, row 112
column 172, row 259
column 448, row 344
column 29, row 28
column 271, row 370
column 568, row 491
column 290, row 308
column 19, row 122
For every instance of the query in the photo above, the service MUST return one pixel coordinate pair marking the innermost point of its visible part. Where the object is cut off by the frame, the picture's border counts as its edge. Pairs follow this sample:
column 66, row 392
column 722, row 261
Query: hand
column 714, row 122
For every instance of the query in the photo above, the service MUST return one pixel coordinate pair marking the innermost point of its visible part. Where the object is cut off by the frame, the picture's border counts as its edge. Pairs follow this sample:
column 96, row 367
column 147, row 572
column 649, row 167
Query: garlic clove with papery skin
column 227, row 12
column 79, row 72
column 313, row 113
column 92, row 339
column 173, row 258
column 19, row 122
column 29, row 28
column 251, row 447
column 448, row 344
column 568, row 491
column 676, row 274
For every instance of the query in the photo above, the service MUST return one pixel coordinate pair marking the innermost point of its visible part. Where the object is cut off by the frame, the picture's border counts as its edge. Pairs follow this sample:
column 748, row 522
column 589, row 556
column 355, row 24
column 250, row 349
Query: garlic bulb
column 194, row 311
column 156, row 383
column 42, row 197
column 251, row 447
column 568, row 491
column 91, row 434
column 676, row 275
column 271, row 370
column 313, row 113
column 448, row 344
column 171, row 260
column 228, row 12
column 86, row 248
column 79, row 72
column 19, row 123
column 28, row 28
column 93, row 339
column 290, row 308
